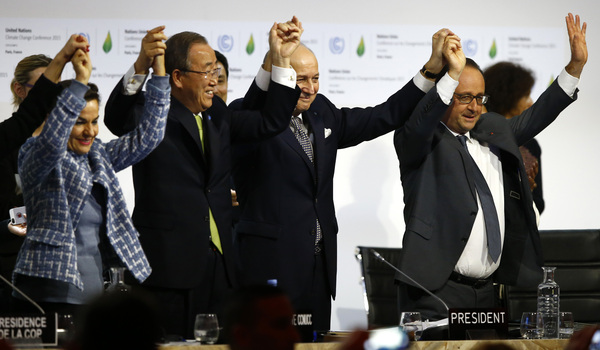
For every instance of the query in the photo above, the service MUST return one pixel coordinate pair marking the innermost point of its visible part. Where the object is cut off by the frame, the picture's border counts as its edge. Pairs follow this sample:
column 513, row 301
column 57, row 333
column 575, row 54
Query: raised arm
column 122, row 110
column 454, row 55
column 153, row 46
column 436, row 62
column 284, row 38
column 40, row 100
column 561, row 93
column 282, row 95
column 578, row 45
column 413, row 140
column 64, row 56
column 150, row 129
column 82, row 64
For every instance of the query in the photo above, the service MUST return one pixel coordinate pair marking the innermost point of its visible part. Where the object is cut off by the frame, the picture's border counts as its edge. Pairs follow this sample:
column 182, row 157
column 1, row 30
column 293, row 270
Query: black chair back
column 379, row 289
column 576, row 256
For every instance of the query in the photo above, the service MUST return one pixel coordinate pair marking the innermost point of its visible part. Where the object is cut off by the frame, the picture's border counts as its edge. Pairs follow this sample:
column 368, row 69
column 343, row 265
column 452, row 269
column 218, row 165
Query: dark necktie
column 214, row 231
column 490, row 216
column 304, row 141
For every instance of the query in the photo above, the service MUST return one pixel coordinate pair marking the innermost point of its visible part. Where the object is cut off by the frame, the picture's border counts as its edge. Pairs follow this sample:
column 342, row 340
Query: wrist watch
column 429, row 74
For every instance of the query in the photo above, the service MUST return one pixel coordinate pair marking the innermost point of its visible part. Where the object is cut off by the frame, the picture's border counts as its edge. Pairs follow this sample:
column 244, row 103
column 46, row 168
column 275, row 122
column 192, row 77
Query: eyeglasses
column 214, row 74
column 466, row 99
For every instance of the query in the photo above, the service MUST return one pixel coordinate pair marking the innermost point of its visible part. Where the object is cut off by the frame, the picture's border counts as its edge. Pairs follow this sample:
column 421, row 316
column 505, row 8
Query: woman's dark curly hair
column 506, row 83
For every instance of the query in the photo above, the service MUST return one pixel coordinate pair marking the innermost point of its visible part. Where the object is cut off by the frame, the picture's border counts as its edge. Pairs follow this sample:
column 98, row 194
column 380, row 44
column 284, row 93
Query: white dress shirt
column 475, row 260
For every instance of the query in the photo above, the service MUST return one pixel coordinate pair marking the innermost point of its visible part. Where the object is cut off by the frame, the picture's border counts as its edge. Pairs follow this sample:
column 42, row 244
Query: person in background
column 222, row 82
column 221, row 91
column 27, row 72
column 509, row 87
column 260, row 317
column 34, row 88
column 118, row 321
column 78, row 223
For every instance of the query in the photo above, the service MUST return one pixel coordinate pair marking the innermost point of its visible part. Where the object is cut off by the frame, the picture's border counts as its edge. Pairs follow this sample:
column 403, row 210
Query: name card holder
column 477, row 324
column 29, row 329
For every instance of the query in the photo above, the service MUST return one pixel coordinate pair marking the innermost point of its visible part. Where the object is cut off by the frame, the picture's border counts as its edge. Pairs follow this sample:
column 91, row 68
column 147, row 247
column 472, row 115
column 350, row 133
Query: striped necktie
column 304, row 141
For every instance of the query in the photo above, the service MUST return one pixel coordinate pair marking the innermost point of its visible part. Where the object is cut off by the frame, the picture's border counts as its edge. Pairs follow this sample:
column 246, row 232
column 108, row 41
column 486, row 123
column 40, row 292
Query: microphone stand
column 379, row 257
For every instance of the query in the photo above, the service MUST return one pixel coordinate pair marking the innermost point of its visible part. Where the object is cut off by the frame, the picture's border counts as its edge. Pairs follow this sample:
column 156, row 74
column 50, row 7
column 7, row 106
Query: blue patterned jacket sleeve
column 138, row 143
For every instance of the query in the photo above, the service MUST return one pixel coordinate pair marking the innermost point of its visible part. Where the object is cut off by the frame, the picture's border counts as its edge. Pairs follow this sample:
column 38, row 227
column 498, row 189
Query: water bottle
column 548, row 294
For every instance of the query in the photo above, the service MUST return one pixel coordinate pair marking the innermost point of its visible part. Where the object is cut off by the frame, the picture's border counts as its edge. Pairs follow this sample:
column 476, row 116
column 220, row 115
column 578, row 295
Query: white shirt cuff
column 446, row 87
column 423, row 83
column 568, row 83
column 263, row 78
column 132, row 83
column 284, row 76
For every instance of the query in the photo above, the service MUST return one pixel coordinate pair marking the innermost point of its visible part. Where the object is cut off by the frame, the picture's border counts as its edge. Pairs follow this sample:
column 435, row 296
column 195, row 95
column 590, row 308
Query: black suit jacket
column 439, row 190
column 30, row 114
column 13, row 133
column 281, row 193
column 175, row 184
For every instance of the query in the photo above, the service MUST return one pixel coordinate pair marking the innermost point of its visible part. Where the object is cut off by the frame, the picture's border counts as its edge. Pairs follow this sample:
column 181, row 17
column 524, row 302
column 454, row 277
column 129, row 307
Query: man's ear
column 176, row 76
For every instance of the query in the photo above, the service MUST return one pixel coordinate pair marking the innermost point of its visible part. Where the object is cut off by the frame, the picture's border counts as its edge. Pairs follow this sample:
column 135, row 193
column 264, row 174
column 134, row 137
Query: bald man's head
column 306, row 66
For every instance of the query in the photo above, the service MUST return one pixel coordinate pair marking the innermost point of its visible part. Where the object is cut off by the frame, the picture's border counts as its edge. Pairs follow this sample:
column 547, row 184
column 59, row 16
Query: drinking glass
column 529, row 328
column 206, row 328
column 411, row 324
column 566, row 325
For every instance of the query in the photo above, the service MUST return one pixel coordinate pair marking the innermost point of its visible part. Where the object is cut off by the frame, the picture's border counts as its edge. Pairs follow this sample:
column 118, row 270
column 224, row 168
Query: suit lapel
column 318, row 130
column 188, row 121
column 487, row 130
column 464, row 156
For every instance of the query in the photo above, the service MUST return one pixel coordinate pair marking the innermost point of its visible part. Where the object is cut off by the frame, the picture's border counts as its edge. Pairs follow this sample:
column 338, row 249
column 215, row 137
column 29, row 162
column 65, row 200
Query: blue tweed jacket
column 57, row 181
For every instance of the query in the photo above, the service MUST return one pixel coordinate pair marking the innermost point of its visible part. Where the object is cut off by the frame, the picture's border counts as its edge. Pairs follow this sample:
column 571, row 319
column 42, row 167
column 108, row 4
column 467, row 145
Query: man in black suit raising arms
column 287, row 233
column 182, row 193
column 468, row 208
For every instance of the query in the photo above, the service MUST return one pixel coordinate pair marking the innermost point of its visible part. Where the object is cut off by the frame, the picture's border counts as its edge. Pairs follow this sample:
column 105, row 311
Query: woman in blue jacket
column 78, row 223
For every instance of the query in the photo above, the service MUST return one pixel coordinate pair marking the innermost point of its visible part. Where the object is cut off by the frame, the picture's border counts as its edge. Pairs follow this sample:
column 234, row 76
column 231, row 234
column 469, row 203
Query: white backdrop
column 368, row 193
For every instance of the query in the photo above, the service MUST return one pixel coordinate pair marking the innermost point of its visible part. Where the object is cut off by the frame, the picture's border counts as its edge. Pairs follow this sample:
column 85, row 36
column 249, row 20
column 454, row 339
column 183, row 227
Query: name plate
column 27, row 329
column 477, row 323
column 303, row 323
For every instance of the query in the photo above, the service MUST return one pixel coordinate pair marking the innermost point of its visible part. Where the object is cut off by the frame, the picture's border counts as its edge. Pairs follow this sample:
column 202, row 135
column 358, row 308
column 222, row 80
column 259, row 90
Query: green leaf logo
column 250, row 46
column 360, row 50
column 107, row 46
column 493, row 49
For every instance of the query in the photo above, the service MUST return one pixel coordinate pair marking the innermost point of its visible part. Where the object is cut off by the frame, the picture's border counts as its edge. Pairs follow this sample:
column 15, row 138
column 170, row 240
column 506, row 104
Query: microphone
column 378, row 256
column 23, row 295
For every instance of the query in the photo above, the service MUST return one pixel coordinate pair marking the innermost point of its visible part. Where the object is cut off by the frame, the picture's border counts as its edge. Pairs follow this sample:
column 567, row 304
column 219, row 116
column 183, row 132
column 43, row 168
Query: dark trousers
column 314, row 298
column 321, row 296
column 454, row 294
column 179, row 307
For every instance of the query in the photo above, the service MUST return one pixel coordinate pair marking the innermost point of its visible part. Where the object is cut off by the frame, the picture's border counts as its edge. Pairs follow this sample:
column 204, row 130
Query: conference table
column 516, row 344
